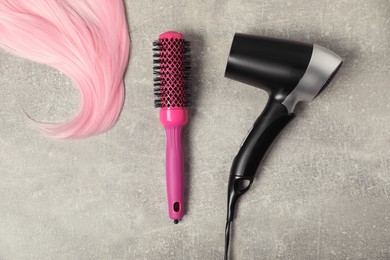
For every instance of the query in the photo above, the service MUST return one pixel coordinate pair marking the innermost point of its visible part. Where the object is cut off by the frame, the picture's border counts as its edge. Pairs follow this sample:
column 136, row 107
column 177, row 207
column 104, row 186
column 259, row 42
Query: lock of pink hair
column 87, row 40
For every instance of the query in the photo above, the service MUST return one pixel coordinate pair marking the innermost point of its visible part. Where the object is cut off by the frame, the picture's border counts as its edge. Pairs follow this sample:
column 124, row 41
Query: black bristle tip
column 176, row 221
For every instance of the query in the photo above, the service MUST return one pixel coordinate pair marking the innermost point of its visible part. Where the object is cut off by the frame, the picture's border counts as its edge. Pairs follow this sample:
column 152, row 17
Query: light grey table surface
column 323, row 191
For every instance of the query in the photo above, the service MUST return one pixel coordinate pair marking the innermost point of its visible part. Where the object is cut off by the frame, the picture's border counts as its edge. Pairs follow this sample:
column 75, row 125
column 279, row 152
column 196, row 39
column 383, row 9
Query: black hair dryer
column 290, row 72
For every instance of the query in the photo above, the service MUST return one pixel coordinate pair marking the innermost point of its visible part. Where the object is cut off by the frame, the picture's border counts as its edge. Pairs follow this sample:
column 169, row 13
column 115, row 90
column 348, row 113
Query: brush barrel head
column 171, row 69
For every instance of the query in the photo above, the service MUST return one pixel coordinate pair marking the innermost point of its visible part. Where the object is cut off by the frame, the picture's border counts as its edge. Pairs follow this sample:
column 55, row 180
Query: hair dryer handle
column 263, row 133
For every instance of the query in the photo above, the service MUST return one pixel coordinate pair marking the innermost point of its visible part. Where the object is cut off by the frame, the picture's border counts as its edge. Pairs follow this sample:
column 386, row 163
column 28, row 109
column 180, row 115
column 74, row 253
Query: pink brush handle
column 173, row 120
column 175, row 172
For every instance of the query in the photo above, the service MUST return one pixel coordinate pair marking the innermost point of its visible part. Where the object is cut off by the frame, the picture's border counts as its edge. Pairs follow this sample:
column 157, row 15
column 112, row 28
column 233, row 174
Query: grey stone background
column 322, row 192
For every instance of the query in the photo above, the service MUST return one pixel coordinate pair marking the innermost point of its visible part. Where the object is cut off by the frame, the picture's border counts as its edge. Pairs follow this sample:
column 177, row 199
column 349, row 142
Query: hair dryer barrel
column 275, row 65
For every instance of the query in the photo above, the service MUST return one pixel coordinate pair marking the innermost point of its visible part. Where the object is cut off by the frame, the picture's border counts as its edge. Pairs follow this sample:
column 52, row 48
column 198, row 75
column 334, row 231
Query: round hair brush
column 171, row 68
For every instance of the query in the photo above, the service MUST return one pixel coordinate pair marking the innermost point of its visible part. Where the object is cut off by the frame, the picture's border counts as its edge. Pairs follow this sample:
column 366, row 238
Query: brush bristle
column 171, row 60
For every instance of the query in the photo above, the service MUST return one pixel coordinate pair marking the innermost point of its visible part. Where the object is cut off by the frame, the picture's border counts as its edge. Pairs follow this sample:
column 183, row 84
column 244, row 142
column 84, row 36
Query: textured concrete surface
column 322, row 192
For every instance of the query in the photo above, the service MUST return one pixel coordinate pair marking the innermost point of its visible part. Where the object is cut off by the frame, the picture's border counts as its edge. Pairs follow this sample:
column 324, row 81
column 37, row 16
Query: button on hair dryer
column 290, row 72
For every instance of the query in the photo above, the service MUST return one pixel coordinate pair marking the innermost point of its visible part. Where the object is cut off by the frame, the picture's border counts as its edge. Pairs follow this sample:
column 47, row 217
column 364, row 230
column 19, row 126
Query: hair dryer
column 290, row 72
